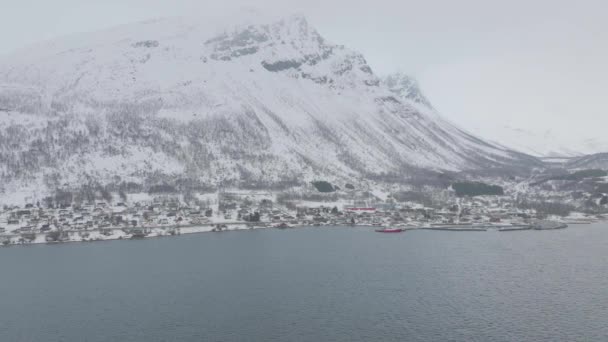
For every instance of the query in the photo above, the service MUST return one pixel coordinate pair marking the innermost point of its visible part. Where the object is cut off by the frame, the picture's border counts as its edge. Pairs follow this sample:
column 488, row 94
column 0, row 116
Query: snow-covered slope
column 542, row 143
column 592, row 161
column 256, row 104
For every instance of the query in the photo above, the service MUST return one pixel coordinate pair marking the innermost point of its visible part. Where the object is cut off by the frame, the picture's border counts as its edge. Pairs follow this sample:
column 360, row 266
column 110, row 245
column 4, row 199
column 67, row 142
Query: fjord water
column 312, row 284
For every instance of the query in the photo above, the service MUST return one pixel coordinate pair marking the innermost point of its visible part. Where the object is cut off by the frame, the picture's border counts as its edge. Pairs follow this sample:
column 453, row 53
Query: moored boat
column 390, row 230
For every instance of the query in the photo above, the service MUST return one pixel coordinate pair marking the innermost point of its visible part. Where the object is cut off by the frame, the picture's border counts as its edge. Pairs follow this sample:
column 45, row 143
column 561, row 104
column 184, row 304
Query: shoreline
column 174, row 231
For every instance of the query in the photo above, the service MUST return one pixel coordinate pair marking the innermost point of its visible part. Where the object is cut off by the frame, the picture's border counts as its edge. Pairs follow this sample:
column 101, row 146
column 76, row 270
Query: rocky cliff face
column 406, row 88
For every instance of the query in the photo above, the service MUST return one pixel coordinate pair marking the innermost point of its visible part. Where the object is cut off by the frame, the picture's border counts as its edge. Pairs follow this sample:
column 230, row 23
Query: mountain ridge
column 264, row 104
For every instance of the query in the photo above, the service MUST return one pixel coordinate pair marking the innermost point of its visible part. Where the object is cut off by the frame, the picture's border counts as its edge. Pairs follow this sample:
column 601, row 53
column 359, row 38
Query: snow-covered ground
column 143, row 215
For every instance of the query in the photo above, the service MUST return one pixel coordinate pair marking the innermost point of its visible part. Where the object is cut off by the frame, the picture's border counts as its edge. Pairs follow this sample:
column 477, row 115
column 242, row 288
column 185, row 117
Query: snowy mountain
column 406, row 88
column 592, row 161
column 172, row 101
column 542, row 142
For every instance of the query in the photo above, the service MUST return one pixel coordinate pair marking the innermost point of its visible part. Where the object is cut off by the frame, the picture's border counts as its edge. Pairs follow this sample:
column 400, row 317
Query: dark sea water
column 312, row 284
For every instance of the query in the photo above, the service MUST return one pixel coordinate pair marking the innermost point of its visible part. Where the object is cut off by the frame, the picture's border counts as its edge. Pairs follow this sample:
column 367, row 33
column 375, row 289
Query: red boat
column 390, row 230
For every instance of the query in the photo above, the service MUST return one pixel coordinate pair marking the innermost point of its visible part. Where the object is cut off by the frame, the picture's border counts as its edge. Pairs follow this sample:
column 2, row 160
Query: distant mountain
column 593, row 161
column 175, row 102
column 544, row 143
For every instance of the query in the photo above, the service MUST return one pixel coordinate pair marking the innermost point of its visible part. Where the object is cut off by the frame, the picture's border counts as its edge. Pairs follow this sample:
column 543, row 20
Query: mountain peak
column 291, row 35
column 406, row 87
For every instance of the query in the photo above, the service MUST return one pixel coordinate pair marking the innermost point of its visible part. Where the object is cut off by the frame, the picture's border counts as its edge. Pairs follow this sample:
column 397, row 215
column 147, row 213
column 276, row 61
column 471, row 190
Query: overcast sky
column 534, row 64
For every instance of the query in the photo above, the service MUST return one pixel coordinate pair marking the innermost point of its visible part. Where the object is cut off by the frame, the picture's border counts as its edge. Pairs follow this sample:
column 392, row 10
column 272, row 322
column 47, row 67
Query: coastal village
column 168, row 215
